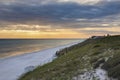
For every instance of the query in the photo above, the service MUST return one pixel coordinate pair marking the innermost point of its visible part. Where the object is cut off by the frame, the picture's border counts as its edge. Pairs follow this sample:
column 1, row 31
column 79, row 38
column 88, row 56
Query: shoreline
column 13, row 67
column 7, row 57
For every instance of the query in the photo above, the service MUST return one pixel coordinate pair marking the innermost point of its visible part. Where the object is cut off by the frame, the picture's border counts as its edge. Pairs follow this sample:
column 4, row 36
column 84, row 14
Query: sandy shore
column 11, row 68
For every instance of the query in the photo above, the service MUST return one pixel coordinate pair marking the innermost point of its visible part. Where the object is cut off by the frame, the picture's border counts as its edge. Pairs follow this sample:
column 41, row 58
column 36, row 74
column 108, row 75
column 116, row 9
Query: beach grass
column 73, row 60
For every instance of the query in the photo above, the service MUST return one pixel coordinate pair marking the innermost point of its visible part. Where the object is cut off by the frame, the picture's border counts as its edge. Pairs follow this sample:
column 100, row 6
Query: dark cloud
column 67, row 14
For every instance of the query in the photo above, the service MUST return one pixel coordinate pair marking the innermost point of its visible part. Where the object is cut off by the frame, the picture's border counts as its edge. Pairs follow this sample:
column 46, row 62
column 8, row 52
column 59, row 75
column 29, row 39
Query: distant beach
column 14, row 67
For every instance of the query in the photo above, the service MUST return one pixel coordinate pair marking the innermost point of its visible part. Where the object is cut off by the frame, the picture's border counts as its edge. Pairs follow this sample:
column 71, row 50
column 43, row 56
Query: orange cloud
column 40, row 34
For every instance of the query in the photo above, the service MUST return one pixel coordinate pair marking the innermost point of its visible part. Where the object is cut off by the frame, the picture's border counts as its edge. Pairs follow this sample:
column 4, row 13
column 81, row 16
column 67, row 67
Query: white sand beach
column 13, row 67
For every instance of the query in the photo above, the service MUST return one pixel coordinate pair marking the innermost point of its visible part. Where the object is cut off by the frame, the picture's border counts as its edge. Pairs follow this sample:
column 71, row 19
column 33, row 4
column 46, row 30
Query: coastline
column 14, row 67
column 95, row 58
column 7, row 57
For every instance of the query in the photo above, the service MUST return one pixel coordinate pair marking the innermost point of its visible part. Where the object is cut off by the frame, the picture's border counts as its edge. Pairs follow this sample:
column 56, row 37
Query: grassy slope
column 86, row 55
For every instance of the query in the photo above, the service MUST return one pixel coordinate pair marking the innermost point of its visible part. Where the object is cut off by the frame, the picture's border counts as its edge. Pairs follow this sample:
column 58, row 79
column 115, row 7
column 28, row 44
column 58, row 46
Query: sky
column 59, row 18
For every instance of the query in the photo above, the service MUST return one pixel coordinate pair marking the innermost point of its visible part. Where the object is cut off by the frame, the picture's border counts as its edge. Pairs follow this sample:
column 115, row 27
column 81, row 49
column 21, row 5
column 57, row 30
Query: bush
column 96, row 46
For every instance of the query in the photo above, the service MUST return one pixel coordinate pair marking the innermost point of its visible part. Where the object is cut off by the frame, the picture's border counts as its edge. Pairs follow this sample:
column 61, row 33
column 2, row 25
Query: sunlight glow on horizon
column 59, row 33
column 38, row 34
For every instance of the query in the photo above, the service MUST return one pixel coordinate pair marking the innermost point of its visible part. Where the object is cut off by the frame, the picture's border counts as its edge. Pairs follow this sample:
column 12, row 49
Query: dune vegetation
column 100, row 52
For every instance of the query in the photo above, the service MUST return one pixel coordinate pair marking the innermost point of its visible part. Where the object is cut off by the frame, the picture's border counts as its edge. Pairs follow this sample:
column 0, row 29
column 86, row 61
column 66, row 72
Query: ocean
column 13, row 47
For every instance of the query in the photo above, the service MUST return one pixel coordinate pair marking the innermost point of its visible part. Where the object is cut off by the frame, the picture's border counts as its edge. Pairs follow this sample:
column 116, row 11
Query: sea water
column 13, row 47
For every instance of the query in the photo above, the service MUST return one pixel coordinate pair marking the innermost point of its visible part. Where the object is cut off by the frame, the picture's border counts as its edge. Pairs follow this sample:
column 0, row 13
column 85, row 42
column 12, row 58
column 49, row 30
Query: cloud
column 59, row 14
column 94, row 32
column 53, row 1
column 57, row 11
